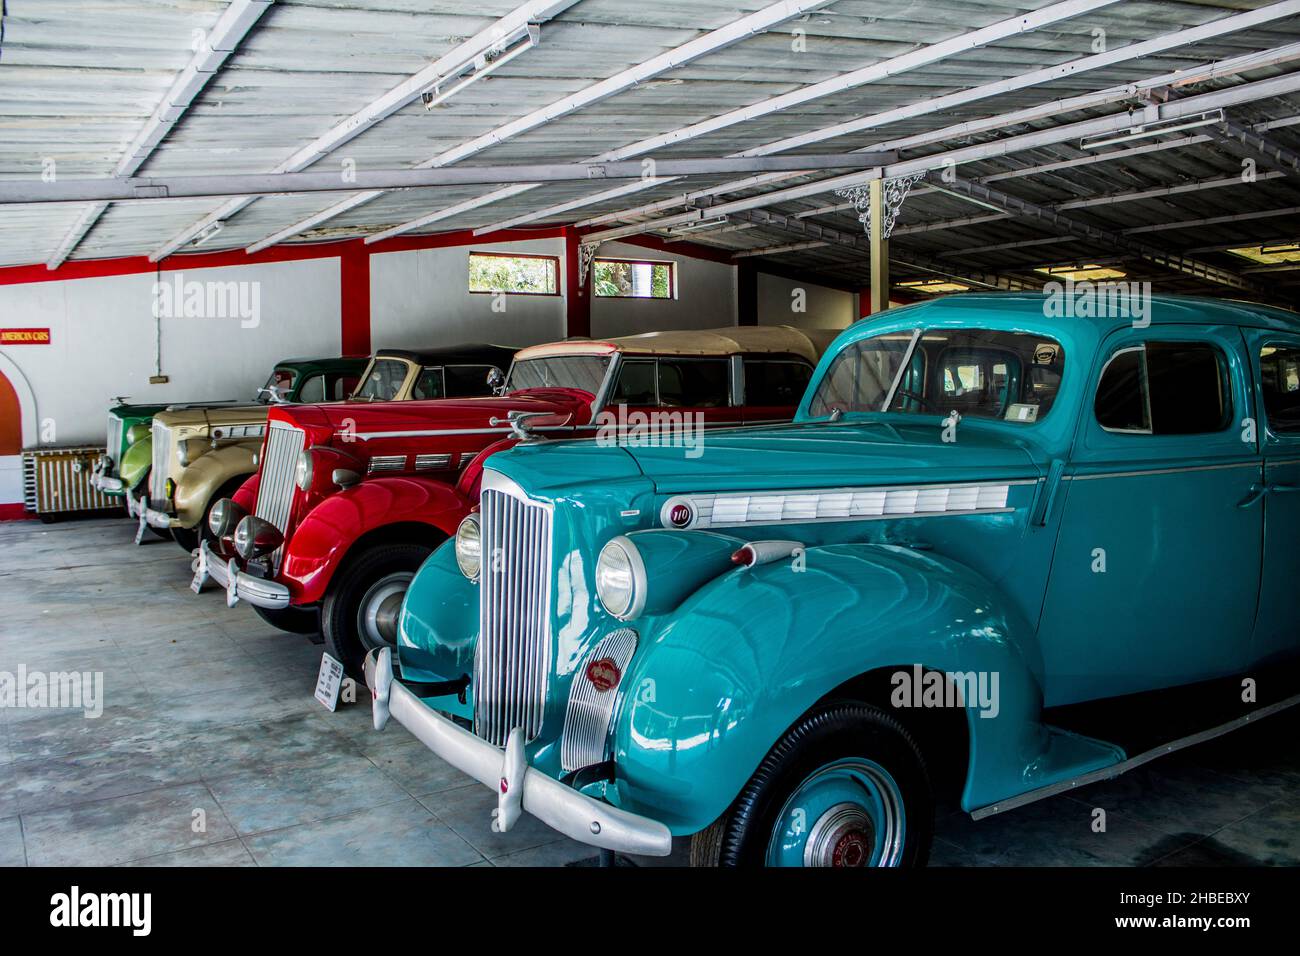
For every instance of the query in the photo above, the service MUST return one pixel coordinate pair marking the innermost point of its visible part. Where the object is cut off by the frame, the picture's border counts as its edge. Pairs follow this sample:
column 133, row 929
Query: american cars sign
column 24, row 336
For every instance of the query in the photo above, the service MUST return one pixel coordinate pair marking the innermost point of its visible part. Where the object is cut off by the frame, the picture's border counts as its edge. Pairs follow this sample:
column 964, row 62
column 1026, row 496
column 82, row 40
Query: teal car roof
column 1165, row 309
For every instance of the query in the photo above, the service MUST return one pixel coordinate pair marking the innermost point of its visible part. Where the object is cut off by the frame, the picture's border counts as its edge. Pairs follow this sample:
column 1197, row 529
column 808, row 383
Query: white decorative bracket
column 586, row 253
column 895, row 191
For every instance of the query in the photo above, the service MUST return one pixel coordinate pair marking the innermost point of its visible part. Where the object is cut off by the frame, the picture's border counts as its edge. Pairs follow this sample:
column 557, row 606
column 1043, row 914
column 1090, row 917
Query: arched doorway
column 17, row 428
column 11, row 419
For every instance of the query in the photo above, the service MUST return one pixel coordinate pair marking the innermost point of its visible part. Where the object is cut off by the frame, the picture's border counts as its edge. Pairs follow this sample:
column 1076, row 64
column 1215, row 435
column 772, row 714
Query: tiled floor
column 211, row 750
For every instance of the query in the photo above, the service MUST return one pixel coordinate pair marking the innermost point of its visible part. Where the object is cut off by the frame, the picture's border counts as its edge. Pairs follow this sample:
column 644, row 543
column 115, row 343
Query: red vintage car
column 350, row 499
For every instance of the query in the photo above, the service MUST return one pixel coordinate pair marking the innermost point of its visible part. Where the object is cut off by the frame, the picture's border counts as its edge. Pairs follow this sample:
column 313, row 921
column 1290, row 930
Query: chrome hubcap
column 842, row 837
column 380, row 609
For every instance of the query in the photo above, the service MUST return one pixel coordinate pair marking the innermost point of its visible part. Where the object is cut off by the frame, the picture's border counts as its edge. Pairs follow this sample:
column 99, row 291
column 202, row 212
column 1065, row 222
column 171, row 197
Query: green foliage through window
column 535, row 275
column 620, row 278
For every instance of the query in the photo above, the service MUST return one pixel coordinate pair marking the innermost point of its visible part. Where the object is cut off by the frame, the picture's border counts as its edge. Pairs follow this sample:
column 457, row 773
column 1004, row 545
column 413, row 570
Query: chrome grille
column 114, row 448
column 586, row 723
column 275, row 487
column 162, row 452
column 513, row 657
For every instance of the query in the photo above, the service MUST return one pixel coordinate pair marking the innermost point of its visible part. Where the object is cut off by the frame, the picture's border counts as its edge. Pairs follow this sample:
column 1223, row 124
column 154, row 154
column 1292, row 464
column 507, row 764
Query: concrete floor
column 210, row 710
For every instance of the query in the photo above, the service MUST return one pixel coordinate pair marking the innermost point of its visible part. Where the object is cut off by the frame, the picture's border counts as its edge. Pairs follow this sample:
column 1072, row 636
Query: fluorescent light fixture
column 1153, row 127
column 479, row 66
column 209, row 232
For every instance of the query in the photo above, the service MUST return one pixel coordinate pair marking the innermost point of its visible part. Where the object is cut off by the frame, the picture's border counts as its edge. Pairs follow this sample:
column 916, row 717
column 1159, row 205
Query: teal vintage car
column 983, row 512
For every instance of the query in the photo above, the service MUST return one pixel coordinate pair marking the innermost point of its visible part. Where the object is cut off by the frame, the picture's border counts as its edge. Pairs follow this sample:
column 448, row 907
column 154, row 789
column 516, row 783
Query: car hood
column 563, row 407
column 209, row 417
column 827, row 455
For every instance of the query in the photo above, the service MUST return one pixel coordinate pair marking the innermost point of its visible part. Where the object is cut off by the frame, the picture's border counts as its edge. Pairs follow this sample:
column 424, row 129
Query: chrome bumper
column 238, row 585
column 106, row 484
column 518, row 786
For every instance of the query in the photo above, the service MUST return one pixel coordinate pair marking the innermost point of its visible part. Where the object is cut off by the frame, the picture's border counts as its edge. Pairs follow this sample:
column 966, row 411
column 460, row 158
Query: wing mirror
column 496, row 381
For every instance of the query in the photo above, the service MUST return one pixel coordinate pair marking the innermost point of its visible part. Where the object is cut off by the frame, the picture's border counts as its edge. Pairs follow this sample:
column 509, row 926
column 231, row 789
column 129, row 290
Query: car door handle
column 1284, row 489
column 1256, row 493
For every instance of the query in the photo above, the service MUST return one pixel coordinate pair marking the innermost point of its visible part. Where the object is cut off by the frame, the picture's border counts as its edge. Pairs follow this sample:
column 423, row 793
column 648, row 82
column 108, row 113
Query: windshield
column 383, row 382
column 277, row 387
column 982, row 373
column 586, row 372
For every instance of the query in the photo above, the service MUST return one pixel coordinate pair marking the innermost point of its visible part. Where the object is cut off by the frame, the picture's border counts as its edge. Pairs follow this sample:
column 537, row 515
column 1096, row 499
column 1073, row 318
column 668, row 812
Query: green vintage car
column 230, row 430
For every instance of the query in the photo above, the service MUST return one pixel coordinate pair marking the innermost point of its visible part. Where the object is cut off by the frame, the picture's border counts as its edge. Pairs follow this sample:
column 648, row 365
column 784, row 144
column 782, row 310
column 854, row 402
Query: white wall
column 103, row 338
column 706, row 296
column 421, row 299
column 825, row 308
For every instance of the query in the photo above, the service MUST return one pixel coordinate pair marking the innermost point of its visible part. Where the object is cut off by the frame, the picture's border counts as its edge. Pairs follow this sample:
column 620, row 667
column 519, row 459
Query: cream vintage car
column 202, row 455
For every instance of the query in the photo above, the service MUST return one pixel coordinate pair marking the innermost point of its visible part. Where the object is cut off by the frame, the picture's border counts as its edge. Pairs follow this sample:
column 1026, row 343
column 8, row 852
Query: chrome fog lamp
column 255, row 537
column 469, row 547
column 225, row 517
column 302, row 473
column 621, row 578
column 105, row 463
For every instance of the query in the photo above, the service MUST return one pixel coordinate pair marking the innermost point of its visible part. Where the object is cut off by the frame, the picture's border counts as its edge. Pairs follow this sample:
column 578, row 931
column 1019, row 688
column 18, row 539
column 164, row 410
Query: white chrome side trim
column 867, row 503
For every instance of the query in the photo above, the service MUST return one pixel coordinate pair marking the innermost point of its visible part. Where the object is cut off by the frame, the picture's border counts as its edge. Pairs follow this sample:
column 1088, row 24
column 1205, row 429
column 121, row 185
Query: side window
column 312, row 390
column 1279, row 368
column 429, row 384
column 342, row 386
column 1164, row 388
column 467, row 381
column 636, row 383
column 770, row 382
column 693, row 383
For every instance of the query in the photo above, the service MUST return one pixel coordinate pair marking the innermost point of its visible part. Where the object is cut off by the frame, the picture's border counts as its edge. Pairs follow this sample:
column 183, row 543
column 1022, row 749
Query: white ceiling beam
column 932, row 53
column 406, row 92
column 710, row 42
column 1238, row 64
column 226, row 34
column 1231, row 96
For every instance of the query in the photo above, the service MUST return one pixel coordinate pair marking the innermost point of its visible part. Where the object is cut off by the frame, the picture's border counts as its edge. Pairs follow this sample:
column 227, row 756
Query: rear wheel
column 360, row 611
column 295, row 620
column 845, row 787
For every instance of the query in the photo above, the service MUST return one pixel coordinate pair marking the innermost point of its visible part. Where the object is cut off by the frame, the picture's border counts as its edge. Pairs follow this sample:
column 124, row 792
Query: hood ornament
column 518, row 422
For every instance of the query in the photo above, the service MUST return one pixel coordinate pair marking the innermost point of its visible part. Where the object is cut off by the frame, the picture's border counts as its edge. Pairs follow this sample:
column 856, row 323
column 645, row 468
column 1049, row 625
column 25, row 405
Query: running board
column 1107, row 773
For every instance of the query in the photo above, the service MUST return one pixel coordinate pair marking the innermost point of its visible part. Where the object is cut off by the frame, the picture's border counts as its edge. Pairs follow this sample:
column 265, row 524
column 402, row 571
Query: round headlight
column 469, row 547
column 620, row 578
column 224, row 517
column 303, row 471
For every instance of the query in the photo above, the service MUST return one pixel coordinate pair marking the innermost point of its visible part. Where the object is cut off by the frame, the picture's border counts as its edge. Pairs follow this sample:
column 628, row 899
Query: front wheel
column 360, row 611
column 846, row 786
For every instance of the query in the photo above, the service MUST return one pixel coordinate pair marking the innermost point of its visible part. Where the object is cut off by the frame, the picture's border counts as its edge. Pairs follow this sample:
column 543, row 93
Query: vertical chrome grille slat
column 275, row 489
column 513, row 656
column 114, row 448
column 161, row 437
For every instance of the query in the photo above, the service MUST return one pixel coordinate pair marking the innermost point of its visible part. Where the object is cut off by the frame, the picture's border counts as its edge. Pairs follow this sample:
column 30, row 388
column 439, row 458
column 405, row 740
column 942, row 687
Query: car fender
column 718, row 681
column 136, row 462
column 438, row 629
column 206, row 475
column 321, row 541
column 246, row 496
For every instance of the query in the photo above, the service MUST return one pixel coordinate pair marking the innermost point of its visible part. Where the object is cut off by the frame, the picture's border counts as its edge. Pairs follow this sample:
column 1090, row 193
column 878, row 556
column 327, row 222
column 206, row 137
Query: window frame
column 655, row 360
column 1271, row 340
column 555, row 267
column 1225, row 388
column 672, row 278
column 740, row 383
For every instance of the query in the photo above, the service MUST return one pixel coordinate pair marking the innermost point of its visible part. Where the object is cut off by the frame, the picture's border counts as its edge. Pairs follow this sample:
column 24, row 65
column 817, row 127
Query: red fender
column 246, row 496
column 322, row 539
